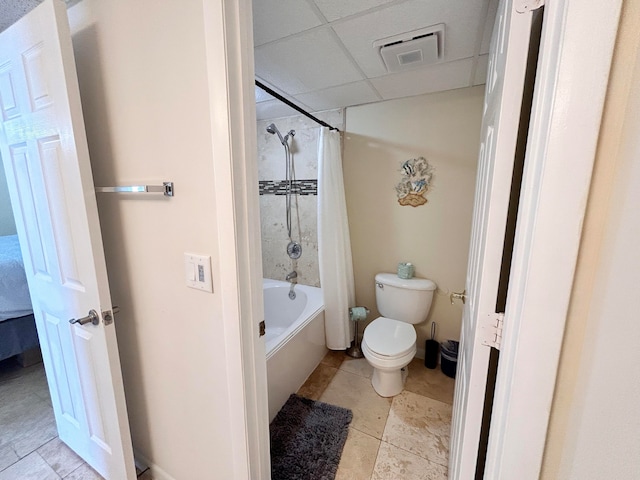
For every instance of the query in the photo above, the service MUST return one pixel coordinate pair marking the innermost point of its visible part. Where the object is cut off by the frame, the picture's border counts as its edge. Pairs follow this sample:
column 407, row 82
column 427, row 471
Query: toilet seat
column 388, row 338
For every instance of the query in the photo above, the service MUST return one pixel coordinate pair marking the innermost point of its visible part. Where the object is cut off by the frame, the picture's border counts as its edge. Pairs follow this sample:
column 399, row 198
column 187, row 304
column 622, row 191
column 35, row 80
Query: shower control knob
column 294, row 250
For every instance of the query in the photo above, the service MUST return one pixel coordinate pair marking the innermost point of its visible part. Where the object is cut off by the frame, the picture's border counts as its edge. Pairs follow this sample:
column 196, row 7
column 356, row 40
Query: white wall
column 7, row 223
column 595, row 420
column 445, row 129
column 142, row 70
column 276, row 263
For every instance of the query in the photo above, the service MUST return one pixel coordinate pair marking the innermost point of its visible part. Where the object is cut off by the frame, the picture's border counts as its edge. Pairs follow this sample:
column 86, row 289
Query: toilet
column 389, row 342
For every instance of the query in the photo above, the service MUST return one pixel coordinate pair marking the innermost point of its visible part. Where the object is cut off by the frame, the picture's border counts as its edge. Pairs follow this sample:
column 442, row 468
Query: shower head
column 272, row 129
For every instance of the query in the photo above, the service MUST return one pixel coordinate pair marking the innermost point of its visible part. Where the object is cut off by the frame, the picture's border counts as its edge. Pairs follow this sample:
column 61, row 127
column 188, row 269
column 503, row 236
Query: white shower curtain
column 334, row 245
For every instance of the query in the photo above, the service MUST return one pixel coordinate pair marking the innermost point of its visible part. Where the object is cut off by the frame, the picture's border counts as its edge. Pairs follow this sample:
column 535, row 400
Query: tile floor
column 29, row 445
column 406, row 437
column 401, row 438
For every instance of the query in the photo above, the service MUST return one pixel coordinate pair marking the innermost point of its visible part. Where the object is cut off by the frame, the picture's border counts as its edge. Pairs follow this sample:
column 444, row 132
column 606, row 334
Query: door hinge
column 492, row 330
column 524, row 6
column 262, row 327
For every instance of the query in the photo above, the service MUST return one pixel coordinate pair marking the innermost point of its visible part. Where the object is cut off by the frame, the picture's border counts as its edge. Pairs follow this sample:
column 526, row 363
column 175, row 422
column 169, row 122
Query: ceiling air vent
column 412, row 49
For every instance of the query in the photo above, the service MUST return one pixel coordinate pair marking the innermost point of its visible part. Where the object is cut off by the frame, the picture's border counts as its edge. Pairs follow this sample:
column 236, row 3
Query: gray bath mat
column 307, row 438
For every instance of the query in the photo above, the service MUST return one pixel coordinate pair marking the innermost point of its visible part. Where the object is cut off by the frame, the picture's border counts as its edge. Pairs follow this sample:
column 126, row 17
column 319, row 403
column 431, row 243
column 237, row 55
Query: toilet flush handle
column 379, row 285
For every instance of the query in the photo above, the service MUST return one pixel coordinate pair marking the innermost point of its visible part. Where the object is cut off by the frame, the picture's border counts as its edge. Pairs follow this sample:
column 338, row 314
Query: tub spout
column 292, row 276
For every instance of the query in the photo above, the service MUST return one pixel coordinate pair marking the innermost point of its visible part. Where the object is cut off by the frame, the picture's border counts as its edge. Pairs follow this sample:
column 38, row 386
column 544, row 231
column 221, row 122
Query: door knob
column 460, row 296
column 92, row 317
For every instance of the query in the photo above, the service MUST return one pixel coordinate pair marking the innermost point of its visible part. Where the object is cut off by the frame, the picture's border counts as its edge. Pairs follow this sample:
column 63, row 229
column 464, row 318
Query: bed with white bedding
column 17, row 325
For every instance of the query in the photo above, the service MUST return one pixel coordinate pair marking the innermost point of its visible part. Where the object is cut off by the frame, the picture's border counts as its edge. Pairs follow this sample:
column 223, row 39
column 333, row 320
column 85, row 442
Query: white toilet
column 389, row 342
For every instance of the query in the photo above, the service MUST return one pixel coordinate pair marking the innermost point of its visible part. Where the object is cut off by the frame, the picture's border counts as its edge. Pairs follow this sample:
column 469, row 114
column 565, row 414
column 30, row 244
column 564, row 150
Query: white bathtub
column 294, row 338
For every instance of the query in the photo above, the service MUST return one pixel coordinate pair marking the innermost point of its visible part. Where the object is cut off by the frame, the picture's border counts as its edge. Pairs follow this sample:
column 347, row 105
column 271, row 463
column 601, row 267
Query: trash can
column 449, row 357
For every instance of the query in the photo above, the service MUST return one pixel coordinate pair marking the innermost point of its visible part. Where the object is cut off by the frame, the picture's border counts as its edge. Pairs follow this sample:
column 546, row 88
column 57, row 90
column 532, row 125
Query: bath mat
column 307, row 438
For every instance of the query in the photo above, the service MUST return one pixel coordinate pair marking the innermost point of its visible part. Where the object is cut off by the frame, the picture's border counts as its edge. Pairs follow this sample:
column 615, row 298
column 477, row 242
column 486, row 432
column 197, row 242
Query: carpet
column 307, row 438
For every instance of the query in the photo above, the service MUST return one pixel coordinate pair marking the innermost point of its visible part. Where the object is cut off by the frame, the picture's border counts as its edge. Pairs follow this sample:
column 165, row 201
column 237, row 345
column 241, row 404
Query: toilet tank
column 406, row 300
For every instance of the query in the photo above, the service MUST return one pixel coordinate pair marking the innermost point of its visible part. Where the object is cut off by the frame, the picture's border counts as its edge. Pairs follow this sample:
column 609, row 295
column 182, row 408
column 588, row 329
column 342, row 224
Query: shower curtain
column 334, row 245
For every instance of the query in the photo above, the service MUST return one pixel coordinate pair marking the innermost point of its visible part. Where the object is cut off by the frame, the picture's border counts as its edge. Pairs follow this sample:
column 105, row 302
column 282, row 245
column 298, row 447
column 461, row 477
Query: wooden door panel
column 45, row 157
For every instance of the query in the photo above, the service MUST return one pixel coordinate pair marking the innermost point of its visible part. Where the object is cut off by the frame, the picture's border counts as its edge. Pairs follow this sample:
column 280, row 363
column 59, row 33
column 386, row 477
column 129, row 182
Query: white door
column 505, row 81
column 46, row 159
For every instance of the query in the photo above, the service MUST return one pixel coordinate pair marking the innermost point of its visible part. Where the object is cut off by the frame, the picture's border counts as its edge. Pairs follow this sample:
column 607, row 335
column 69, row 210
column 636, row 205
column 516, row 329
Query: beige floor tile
column 84, row 472
column 356, row 393
column 393, row 463
column 430, row 383
column 357, row 366
column 358, row 457
column 31, row 467
column 334, row 358
column 317, row 382
column 419, row 425
column 61, row 458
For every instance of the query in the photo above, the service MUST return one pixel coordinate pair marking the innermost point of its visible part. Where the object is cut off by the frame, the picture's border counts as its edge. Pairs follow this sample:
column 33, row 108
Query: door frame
column 576, row 51
column 233, row 119
column 577, row 44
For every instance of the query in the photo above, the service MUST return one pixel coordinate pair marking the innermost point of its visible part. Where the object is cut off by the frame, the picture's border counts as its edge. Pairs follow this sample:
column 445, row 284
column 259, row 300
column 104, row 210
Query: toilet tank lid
column 394, row 280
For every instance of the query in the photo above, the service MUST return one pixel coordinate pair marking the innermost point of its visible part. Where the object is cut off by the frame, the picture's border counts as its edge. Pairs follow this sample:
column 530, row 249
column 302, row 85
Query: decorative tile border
column 279, row 187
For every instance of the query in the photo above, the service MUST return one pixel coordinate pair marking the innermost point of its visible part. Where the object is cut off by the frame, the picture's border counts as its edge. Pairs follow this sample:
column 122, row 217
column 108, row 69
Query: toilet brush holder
column 356, row 314
column 431, row 349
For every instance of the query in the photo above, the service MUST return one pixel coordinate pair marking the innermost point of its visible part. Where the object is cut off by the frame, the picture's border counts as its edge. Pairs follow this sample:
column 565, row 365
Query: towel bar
column 166, row 188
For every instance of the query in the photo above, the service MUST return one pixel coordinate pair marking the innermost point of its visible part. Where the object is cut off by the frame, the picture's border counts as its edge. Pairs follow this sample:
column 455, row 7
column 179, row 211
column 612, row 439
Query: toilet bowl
column 389, row 346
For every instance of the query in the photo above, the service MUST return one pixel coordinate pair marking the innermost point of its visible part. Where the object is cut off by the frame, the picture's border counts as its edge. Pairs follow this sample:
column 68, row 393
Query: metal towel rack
column 166, row 188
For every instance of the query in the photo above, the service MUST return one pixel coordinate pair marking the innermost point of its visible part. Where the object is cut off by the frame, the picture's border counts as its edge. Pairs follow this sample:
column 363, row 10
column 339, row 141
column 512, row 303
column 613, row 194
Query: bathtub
column 294, row 338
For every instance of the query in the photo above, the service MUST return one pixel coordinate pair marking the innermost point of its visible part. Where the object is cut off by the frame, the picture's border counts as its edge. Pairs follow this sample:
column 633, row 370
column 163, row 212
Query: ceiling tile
column 335, row 9
column 461, row 20
column 275, row 19
column 444, row 76
column 273, row 109
column 11, row 11
column 305, row 63
column 356, row 93
column 480, row 77
column 261, row 95
column 488, row 26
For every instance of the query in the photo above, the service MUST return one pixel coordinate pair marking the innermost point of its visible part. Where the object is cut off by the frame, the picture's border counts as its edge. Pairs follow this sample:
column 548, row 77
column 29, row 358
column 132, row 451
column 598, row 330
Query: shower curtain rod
column 293, row 105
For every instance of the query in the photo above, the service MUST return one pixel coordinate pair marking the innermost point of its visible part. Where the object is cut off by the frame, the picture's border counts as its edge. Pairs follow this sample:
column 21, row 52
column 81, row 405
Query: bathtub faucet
column 291, row 277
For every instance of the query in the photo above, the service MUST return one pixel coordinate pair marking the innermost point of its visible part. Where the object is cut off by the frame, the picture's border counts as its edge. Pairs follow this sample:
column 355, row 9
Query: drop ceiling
column 320, row 53
column 13, row 10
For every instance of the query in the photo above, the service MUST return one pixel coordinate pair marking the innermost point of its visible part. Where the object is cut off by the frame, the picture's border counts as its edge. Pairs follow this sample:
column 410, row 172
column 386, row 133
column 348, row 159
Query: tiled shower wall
column 276, row 263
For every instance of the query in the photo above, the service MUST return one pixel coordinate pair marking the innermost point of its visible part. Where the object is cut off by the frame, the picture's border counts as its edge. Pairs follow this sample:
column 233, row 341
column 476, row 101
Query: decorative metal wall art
column 417, row 175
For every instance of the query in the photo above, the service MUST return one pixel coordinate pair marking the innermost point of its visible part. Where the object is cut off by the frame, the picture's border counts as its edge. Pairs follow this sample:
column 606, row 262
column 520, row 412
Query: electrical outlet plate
column 197, row 269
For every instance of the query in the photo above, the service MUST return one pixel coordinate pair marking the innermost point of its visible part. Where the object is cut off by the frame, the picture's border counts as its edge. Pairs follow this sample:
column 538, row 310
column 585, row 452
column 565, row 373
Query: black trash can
column 449, row 357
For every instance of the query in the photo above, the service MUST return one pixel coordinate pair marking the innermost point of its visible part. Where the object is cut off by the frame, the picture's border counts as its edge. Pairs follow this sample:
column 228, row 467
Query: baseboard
column 144, row 463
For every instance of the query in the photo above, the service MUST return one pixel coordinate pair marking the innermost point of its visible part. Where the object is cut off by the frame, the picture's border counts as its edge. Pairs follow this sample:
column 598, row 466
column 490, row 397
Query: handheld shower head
column 272, row 129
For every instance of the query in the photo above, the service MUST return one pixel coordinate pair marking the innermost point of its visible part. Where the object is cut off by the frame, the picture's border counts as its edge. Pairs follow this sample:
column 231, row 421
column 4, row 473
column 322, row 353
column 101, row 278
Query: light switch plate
column 197, row 269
